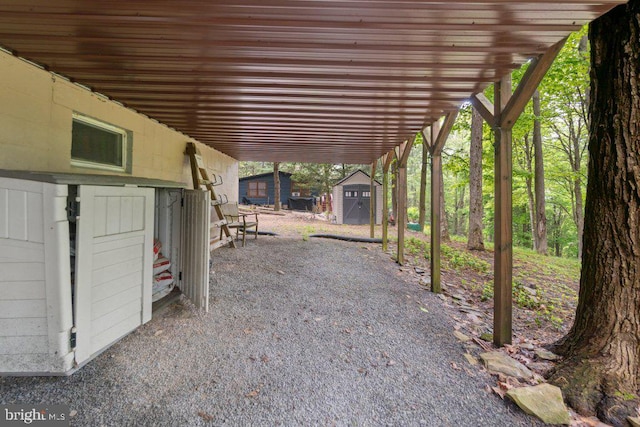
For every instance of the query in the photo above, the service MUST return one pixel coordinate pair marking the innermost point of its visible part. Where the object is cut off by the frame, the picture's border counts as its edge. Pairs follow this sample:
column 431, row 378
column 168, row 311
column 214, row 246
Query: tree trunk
column 540, row 223
column 423, row 185
column 458, row 222
column 599, row 373
column 276, row 186
column 579, row 213
column 532, row 210
column 528, row 158
column 444, row 223
column 475, row 241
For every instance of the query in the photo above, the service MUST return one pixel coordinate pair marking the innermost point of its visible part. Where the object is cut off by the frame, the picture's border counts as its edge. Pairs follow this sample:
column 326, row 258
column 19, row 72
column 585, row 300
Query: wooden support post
column 401, row 217
column 386, row 164
column 436, row 142
column 402, row 152
column 503, row 251
column 436, row 229
column 501, row 117
column 372, row 201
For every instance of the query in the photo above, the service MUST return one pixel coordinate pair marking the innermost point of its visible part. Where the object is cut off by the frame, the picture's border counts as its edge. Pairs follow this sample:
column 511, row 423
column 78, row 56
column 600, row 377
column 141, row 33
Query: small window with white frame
column 99, row 145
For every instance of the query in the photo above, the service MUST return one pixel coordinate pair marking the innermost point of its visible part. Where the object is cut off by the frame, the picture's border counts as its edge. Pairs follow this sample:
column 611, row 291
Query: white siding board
column 139, row 214
column 116, row 286
column 113, row 334
column 35, row 218
column 23, row 308
column 113, row 215
column 37, row 344
column 106, row 245
column 22, row 271
column 4, row 212
column 115, row 272
column 21, row 290
column 126, row 214
column 99, row 216
column 19, row 251
column 114, row 302
column 113, row 318
column 117, row 256
column 23, row 327
column 17, row 215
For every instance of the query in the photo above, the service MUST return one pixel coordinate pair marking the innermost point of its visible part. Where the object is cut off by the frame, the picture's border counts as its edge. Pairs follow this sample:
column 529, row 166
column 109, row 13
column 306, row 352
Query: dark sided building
column 260, row 189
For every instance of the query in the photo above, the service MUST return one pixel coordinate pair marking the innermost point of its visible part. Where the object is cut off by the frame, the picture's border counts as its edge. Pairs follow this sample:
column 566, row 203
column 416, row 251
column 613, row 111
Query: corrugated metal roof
column 338, row 81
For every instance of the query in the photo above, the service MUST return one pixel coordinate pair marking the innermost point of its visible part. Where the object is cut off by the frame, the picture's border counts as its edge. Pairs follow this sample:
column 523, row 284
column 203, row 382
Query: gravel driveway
column 299, row 332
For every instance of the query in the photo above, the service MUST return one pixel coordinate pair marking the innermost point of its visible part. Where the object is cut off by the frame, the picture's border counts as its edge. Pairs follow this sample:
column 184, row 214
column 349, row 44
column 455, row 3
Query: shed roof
column 262, row 175
column 348, row 177
column 341, row 81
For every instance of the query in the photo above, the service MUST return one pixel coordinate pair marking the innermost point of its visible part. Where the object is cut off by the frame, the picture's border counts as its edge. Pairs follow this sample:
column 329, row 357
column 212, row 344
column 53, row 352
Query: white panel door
column 196, row 223
column 35, row 296
column 114, row 265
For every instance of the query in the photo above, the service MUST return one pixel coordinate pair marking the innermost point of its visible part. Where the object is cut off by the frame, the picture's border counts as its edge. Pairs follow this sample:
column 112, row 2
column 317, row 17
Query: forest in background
column 548, row 186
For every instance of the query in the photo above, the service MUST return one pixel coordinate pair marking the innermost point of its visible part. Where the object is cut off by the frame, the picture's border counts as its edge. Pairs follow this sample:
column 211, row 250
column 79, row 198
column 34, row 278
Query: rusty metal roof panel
column 339, row 81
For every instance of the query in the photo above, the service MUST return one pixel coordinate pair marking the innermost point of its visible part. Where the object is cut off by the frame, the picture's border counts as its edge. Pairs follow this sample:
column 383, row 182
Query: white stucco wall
column 36, row 109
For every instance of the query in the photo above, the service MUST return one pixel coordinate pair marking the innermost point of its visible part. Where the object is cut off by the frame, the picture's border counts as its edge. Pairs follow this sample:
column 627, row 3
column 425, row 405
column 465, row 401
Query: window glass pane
column 97, row 145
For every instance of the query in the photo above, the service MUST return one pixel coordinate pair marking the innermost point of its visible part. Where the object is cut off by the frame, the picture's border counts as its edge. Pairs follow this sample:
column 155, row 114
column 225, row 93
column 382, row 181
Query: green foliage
column 522, row 295
column 417, row 247
column 413, row 213
column 458, row 259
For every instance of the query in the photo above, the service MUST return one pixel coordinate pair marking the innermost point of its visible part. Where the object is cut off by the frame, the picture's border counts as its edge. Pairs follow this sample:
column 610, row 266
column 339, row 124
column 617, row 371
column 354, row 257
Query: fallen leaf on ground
column 205, row 416
column 455, row 366
column 253, row 393
column 247, row 331
column 424, row 309
column 391, row 363
column 264, row 358
column 158, row 332
column 499, row 392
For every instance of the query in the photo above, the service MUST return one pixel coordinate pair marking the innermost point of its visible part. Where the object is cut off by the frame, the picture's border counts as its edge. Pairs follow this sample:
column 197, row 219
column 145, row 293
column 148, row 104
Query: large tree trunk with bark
column 599, row 373
column 540, row 223
column 475, row 241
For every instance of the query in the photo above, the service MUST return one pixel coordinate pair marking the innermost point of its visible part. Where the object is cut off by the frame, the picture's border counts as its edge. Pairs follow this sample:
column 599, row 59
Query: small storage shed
column 352, row 197
column 260, row 189
column 76, row 256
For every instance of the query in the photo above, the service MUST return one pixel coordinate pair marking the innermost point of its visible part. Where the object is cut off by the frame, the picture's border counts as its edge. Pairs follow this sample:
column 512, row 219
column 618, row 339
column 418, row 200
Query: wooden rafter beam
column 528, row 85
column 518, row 100
column 485, row 107
column 443, row 132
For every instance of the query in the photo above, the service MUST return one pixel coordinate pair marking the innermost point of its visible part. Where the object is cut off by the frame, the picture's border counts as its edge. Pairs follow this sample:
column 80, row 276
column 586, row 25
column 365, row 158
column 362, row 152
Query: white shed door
column 196, row 222
column 114, row 265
